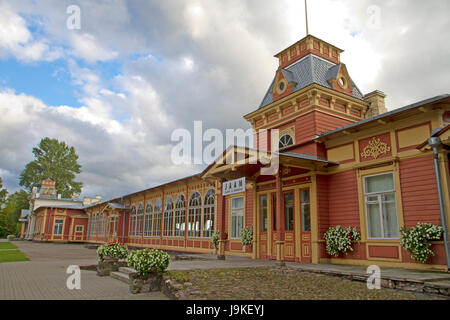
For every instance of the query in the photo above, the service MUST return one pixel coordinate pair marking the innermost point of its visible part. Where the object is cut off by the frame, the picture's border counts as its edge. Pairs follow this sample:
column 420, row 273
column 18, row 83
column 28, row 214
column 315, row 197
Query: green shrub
column 148, row 261
column 340, row 239
column 247, row 237
column 112, row 249
column 416, row 240
column 215, row 239
column 11, row 237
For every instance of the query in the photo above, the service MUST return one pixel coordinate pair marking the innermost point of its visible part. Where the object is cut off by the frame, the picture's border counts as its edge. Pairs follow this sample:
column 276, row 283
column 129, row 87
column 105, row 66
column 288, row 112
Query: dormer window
column 286, row 140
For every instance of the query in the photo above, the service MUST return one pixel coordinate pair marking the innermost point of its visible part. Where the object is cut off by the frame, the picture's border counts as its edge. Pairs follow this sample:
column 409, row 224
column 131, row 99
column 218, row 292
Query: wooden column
column 221, row 222
column 186, row 209
column 280, row 221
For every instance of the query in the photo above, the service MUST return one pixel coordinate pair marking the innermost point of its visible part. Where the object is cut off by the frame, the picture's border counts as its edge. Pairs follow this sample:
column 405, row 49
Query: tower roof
column 311, row 69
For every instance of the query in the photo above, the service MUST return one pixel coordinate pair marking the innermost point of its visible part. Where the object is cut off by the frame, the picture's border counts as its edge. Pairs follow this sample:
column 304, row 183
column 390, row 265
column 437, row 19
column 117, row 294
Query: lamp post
column 435, row 143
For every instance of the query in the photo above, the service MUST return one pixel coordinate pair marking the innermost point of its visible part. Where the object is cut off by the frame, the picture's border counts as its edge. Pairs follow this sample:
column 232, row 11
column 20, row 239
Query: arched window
column 168, row 218
column 180, row 216
column 195, row 212
column 148, row 220
column 132, row 226
column 157, row 218
column 286, row 140
column 208, row 214
column 140, row 216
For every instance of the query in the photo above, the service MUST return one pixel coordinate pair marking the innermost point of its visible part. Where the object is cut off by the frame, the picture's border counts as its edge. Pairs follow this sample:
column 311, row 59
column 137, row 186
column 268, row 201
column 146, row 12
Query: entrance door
column 112, row 234
column 273, row 220
column 305, row 229
column 289, row 225
column 263, row 228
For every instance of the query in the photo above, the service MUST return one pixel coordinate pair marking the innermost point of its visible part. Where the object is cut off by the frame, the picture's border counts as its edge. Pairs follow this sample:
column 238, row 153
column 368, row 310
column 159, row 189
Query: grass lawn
column 12, row 256
column 7, row 245
column 272, row 284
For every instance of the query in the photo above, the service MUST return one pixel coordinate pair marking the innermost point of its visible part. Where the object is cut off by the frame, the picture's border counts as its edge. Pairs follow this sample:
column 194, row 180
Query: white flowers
column 340, row 239
column 113, row 250
column 215, row 239
column 415, row 240
column 148, row 261
column 247, row 236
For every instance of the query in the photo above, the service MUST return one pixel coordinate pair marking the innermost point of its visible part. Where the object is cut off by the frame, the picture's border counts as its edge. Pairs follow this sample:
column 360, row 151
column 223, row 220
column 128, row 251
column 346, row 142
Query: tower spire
column 306, row 14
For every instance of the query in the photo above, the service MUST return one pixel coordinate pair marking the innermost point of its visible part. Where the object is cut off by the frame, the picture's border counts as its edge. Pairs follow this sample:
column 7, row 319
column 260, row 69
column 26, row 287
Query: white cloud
column 87, row 47
column 16, row 40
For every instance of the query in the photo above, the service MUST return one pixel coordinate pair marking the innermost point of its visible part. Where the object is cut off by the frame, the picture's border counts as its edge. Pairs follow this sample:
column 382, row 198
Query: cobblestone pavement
column 44, row 277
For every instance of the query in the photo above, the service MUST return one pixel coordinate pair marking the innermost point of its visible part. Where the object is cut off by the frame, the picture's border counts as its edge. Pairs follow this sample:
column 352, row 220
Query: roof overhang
column 236, row 162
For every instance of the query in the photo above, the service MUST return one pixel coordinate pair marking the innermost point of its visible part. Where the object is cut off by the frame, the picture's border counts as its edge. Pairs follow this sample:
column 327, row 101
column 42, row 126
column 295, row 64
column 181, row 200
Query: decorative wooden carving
column 375, row 148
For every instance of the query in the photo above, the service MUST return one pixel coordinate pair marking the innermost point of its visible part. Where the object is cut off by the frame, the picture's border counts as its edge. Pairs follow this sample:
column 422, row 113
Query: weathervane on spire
column 306, row 14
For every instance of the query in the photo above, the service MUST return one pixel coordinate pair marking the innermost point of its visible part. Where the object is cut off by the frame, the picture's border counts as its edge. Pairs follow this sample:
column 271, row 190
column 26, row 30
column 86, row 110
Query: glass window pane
column 274, row 212
column 373, row 221
column 263, row 208
column 306, row 218
column 380, row 183
column 390, row 221
column 305, row 196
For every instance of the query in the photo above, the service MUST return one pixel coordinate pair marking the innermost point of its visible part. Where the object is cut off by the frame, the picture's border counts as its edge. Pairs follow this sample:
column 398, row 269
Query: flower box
column 108, row 265
column 145, row 283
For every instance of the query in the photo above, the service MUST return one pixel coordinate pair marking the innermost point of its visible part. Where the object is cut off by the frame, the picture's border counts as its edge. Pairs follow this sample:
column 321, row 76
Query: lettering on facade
column 233, row 186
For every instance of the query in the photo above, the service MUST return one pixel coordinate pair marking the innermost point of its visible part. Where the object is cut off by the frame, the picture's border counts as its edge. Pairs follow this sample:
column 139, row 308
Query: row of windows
column 200, row 219
column 100, row 225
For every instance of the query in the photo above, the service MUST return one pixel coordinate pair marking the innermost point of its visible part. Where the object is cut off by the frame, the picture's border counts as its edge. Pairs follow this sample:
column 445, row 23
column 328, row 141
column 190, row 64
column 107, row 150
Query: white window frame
column 58, row 225
column 379, row 201
column 237, row 212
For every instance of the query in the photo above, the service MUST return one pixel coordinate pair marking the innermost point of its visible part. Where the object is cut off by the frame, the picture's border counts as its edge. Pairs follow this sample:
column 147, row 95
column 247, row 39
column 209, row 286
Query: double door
column 295, row 223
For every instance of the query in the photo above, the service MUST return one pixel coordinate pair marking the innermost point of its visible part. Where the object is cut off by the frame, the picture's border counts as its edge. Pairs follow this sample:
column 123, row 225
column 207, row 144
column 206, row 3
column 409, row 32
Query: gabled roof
column 309, row 70
column 387, row 114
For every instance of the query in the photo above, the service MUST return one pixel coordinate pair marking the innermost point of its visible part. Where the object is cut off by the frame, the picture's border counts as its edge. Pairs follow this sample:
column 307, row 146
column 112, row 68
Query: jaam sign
column 233, row 186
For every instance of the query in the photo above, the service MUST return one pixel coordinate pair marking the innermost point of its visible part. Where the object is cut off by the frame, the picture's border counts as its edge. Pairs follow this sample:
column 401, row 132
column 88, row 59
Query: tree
column 55, row 160
column 10, row 213
column 3, row 192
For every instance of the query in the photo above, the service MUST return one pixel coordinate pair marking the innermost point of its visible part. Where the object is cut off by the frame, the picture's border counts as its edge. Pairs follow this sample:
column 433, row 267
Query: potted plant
column 416, row 240
column 149, row 265
column 247, row 237
column 108, row 257
column 215, row 240
column 340, row 240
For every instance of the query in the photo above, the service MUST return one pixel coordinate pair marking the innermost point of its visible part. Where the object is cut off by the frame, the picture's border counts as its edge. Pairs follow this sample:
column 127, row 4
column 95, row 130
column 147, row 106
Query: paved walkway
column 44, row 277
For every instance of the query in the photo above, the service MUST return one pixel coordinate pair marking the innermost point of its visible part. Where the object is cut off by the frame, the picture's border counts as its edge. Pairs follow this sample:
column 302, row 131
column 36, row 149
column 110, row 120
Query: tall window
column 180, row 216
column 168, row 218
column 274, row 211
column 132, row 226
column 140, row 217
column 263, row 212
column 379, row 193
column 194, row 215
column 208, row 214
column 157, row 218
column 306, row 211
column 289, row 211
column 148, row 220
column 57, row 230
column 237, row 217
column 286, row 140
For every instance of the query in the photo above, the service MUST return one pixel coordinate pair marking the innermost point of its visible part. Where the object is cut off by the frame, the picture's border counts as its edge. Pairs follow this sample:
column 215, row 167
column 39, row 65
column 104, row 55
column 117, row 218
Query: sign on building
column 233, row 186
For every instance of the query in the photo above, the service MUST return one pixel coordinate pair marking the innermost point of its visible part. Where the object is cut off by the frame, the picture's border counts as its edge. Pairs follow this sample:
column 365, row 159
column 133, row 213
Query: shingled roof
column 311, row 69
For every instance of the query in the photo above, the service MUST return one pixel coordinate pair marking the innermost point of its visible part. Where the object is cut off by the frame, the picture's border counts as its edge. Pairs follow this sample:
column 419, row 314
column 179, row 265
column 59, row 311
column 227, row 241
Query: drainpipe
column 89, row 226
column 49, row 217
column 435, row 142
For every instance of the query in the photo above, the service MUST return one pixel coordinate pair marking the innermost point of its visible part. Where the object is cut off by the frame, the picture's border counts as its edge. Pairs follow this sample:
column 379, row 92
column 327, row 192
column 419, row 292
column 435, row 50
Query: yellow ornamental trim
column 375, row 148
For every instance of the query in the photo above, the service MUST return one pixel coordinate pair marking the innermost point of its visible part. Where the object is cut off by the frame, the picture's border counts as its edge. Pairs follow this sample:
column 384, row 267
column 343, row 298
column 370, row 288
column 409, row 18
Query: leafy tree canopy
column 55, row 160
column 3, row 192
column 10, row 212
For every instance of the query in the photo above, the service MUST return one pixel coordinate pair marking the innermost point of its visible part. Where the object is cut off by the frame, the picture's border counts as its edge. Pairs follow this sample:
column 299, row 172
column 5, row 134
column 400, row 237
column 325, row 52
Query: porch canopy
column 237, row 162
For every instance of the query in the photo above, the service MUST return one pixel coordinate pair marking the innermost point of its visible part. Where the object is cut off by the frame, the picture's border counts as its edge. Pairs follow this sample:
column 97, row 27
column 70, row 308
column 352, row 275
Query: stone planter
column 107, row 266
column 149, row 283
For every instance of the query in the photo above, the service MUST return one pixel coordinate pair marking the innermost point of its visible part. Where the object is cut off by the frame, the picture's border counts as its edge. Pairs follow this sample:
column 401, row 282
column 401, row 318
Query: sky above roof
column 137, row 70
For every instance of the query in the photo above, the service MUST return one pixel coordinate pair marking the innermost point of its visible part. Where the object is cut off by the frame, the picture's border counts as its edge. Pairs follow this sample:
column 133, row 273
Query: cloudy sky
column 136, row 70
